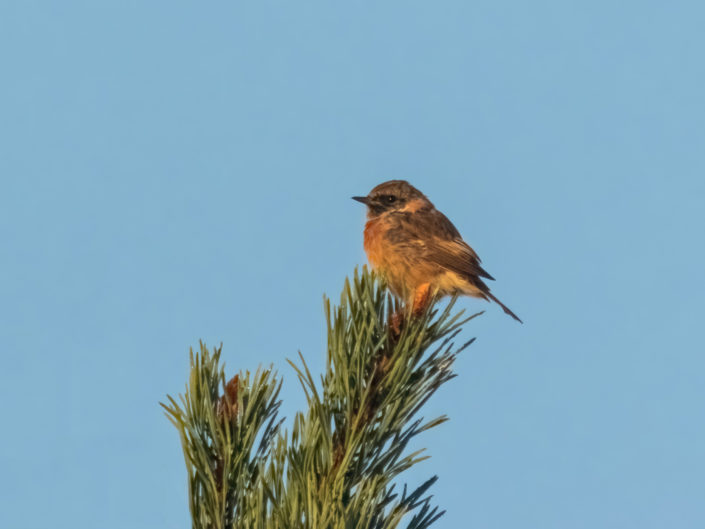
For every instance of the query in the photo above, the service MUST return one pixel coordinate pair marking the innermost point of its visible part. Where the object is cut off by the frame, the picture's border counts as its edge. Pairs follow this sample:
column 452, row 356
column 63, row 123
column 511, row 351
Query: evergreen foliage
column 340, row 464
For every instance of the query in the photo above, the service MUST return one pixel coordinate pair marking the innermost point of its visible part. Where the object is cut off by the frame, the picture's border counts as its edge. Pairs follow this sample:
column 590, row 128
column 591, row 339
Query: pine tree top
column 340, row 465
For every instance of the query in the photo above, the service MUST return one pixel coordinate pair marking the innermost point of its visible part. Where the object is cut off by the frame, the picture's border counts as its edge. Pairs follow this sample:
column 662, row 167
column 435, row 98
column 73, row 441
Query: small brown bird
column 418, row 250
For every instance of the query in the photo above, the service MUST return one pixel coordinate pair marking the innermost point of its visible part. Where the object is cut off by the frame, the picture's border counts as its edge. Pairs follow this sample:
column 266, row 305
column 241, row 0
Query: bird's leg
column 422, row 297
column 419, row 302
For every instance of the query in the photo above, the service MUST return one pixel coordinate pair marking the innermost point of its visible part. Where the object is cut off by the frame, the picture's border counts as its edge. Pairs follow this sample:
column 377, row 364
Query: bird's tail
column 504, row 307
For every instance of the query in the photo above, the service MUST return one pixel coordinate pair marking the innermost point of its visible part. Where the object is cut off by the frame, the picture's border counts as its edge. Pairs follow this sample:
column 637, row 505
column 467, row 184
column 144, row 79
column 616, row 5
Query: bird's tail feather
column 504, row 307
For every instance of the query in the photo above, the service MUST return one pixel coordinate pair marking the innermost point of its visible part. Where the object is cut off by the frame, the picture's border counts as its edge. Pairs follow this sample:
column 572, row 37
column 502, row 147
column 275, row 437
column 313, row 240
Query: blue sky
column 176, row 171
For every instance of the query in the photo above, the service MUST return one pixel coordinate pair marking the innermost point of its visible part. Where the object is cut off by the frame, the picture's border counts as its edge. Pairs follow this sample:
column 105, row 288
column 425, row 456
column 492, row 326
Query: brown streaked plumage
column 418, row 250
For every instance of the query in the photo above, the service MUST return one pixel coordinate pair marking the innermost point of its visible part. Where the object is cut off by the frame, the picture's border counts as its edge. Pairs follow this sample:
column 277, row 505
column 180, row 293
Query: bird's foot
column 422, row 297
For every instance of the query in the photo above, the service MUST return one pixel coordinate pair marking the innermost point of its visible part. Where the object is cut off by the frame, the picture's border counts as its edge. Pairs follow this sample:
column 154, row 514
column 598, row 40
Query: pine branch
column 218, row 432
column 338, row 466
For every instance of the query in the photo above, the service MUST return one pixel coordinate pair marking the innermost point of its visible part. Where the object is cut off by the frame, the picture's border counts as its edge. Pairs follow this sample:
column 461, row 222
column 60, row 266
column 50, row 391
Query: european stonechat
column 418, row 250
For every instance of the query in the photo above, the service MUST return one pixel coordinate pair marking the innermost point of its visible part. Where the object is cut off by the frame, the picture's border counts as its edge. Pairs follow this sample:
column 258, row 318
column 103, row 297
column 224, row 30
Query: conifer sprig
column 218, row 424
column 340, row 465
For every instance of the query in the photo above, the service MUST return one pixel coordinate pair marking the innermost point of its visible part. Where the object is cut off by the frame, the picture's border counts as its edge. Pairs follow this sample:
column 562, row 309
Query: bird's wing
column 441, row 243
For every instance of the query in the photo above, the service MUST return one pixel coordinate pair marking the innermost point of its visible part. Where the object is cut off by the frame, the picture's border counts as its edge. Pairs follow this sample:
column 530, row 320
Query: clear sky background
column 176, row 171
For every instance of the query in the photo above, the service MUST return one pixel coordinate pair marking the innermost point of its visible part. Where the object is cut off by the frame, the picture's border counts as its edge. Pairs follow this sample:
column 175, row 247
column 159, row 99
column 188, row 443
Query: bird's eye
column 391, row 199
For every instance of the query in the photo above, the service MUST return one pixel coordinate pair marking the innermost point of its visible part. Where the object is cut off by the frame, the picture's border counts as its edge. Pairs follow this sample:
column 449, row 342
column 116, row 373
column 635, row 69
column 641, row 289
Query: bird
column 418, row 251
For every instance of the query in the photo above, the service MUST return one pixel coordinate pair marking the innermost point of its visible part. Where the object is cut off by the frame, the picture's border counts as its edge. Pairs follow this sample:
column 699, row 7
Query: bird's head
column 394, row 195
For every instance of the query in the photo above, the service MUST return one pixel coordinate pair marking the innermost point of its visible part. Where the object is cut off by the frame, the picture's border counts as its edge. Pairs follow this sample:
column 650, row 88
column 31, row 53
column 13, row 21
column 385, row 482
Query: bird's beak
column 364, row 200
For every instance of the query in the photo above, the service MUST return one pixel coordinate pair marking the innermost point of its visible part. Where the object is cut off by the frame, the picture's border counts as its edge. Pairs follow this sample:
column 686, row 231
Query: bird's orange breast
column 374, row 242
column 386, row 259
